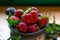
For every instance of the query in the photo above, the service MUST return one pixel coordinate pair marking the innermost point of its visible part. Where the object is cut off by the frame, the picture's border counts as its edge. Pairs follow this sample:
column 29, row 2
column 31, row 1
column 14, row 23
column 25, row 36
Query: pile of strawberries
column 32, row 20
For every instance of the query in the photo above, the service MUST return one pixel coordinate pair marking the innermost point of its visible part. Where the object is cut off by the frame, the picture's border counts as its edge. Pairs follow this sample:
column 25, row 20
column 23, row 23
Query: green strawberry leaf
column 28, row 10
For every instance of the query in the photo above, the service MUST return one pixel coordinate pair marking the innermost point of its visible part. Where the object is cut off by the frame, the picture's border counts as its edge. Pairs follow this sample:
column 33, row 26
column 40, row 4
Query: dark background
column 30, row 2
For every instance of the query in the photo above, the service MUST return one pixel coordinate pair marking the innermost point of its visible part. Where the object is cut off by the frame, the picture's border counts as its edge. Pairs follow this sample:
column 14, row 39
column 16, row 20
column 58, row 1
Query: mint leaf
column 52, row 29
column 57, row 27
column 48, row 29
column 54, row 25
column 15, row 36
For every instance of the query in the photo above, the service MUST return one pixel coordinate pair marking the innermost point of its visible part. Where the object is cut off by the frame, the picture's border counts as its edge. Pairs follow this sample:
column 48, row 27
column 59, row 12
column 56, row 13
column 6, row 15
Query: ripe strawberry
column 34, row 8
column 32, row 28
column 14, row 18
column 30, row 9
column 31, row 17
column 43, row 21
column 18, row 13
column 27, row 18
column 22, row 27
column 34, row 15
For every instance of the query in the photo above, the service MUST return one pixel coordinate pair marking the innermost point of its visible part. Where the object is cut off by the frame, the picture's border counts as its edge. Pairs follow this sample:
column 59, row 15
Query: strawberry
column 34, row 8
column 34, row 15
column 32, row 28
column 14, row 18
column 27, row 18
column 18, row 13
column 43, row 21
column 30, row 9
column 22, row 27
column 31, row 17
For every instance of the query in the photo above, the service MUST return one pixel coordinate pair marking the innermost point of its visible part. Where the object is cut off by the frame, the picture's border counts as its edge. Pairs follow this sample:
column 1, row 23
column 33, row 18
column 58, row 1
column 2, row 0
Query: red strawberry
column 22, row 27
column 18, row 13
column 27, row 18
column 14, row 18
column 30, row 9
column 43, row 21
column 34, row 8
column 34, row 15
column 32, row 28
column 31, row 17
